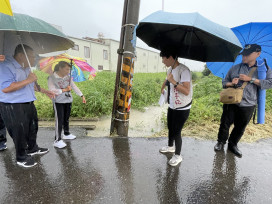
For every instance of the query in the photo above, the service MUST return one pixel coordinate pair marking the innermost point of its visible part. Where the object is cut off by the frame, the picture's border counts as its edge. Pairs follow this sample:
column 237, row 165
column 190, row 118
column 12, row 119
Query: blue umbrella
column 190, row 35
column 251, row 33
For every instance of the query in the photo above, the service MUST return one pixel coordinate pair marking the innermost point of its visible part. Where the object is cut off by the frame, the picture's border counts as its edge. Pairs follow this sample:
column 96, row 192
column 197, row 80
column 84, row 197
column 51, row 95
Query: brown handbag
column 234, row 95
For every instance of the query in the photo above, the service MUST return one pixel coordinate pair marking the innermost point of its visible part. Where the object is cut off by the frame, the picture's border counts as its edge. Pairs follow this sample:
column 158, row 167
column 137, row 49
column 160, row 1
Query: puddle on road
column 141, row 123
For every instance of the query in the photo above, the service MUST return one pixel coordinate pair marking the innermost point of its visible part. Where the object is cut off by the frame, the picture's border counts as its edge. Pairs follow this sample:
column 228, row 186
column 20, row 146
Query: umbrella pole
column 71, row 64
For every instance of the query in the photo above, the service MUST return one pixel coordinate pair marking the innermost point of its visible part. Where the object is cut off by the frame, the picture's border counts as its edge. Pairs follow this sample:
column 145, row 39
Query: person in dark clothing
column 240, row 114
column 17, row 104
column 3, row 131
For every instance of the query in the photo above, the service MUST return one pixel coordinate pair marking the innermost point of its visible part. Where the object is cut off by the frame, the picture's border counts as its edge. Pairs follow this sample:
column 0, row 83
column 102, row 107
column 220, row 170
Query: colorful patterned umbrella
column 78, row 66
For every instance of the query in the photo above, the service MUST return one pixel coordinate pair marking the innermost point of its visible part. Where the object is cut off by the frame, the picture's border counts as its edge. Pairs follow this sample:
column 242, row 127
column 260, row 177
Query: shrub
column 206, row 71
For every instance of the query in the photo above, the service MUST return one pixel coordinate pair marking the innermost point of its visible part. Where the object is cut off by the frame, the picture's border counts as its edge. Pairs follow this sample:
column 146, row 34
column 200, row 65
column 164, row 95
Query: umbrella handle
column 71, row 64
column 38, row 86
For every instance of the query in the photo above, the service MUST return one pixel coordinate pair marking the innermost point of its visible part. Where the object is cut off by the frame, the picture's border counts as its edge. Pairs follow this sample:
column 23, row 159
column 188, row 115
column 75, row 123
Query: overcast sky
column 81, row 18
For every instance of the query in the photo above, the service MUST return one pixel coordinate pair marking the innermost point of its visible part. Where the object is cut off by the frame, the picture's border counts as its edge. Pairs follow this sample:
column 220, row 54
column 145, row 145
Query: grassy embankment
column 205, row 113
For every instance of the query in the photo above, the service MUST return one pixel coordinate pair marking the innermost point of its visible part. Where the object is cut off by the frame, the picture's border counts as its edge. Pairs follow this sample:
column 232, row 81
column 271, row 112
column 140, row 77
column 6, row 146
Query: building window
column 100, row 67
column 105, row 54
column 76, row 47
column 86, row 52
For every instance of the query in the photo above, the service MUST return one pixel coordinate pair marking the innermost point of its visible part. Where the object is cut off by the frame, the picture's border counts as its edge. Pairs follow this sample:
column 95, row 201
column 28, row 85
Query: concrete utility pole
column 126, row 58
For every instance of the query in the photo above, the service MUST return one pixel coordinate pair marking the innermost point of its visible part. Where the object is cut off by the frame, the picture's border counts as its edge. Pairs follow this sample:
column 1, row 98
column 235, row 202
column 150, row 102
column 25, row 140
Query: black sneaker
column 38, row 151
column 28, row 162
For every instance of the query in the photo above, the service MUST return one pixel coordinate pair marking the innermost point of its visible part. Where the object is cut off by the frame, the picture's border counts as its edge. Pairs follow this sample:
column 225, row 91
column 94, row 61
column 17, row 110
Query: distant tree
column 206, row 71
column 194, row 76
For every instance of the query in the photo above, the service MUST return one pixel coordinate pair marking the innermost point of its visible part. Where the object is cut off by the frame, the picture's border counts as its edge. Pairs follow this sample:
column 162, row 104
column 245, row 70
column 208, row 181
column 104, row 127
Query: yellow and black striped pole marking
column 126, row 88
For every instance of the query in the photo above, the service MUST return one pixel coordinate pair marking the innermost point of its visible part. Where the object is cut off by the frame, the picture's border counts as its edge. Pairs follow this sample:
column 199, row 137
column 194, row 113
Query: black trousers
column 240, row 117
column 62, row 115
column 175, row 123
column 21, row 121
column 3, row 131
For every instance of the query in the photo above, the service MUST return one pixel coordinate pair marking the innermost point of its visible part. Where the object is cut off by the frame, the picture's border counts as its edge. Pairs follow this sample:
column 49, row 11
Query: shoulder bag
column 234, row 95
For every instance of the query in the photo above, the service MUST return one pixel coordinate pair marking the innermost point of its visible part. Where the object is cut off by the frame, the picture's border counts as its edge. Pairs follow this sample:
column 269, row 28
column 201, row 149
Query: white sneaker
column 69, row 137
column 167, row 149
column 175, row 160
column 59, row 144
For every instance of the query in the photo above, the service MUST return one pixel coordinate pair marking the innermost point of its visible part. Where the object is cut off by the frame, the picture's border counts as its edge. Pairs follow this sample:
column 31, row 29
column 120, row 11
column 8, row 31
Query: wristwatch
column 252, row 80
column 175, row 86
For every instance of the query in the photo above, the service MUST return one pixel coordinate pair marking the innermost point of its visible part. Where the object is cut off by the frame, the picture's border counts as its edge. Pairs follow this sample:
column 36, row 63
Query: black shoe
column 28, row 162
column 219, row 146
column 234, row 149
column 38, row 151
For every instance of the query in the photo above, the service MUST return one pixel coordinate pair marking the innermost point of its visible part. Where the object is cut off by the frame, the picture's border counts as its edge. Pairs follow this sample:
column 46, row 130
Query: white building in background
column 101, row 54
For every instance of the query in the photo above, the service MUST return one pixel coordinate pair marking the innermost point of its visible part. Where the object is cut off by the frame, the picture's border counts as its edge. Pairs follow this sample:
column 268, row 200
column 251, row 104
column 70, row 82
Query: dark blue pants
column 240, row 117
column 62, row 115
column 3, row 131
column 22, row 124
column 175, row 123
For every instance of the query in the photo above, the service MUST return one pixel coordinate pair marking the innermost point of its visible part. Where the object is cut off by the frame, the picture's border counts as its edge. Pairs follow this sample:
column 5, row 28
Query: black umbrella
column 191, row 36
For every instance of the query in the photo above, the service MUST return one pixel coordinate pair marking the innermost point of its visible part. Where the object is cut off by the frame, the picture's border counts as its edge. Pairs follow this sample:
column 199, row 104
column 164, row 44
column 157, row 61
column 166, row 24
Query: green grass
column 99, row 94
column 146, row 92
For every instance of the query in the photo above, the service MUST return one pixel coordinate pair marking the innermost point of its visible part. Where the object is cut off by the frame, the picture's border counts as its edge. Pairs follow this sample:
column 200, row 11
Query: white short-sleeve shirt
column 185, row 77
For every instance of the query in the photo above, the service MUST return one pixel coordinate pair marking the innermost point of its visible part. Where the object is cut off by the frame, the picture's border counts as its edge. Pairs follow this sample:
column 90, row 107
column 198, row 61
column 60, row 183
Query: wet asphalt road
column 121, row 170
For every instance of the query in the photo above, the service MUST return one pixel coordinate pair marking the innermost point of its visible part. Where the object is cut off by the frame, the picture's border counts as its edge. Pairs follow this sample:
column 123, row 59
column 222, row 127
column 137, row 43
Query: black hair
column 61, row 64
column 19, row 49
column 169, row 52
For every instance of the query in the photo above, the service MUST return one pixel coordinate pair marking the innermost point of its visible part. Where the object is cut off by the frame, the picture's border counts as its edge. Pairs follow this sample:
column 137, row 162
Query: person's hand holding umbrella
column 67, row 89
column 32, row 77
column 171, row 79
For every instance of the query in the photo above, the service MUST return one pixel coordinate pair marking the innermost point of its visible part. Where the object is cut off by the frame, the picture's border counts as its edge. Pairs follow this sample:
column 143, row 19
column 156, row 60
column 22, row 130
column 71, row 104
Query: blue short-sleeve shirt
column 11, row 71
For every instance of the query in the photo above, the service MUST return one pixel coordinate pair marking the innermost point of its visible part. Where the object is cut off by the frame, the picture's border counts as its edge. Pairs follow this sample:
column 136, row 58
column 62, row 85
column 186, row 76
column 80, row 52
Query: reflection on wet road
column 131, row 170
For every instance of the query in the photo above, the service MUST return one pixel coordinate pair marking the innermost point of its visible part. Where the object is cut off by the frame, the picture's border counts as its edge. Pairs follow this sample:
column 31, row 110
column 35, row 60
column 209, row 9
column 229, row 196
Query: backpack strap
column 266, row 65
column 250, row 75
